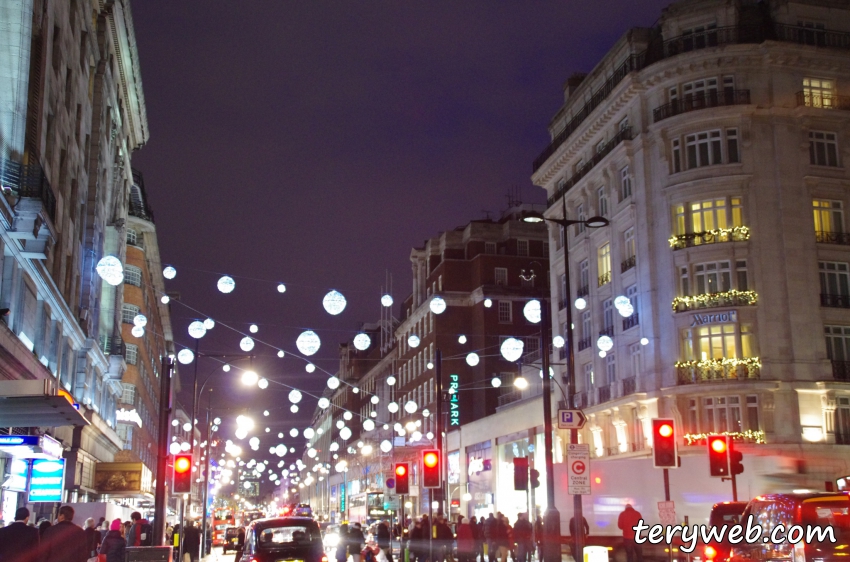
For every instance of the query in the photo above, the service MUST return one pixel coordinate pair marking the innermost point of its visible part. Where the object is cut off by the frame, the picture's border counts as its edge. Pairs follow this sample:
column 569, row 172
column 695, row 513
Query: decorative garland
column 749, row 435
column 713, row 300
column 751, row 364
column 736, row 233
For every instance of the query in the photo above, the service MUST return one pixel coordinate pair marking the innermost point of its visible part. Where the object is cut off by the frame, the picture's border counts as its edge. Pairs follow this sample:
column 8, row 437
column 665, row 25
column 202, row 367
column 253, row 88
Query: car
column 302, row 510
column 724, row 513
column 231, row 538
column 824, row 510
column 296, row 539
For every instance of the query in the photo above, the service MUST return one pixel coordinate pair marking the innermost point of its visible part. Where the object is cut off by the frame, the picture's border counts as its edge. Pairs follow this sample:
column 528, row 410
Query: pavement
column 217, row 556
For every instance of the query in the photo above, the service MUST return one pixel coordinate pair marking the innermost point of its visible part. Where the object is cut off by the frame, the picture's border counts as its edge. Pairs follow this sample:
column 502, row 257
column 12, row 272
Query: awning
column 39, row 411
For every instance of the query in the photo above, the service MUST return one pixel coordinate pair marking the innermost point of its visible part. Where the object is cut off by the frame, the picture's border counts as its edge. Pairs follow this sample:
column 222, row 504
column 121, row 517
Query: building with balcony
column 716, row 143
column 73, row 113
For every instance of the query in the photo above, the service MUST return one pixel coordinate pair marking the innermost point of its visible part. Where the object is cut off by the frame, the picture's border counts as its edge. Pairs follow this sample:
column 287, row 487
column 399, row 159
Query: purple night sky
column 315, row 143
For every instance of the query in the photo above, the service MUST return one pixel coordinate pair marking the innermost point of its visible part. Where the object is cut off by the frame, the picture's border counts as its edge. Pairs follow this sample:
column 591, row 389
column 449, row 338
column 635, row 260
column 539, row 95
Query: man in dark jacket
column 191, row 541
column 65, row 541
column 489, row 529
column 141, row 532
column 523, row 537
column 384, row 540
column 19, row 541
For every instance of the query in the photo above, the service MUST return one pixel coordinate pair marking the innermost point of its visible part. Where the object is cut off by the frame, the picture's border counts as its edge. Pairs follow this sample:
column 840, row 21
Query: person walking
column 414, row 545
column 478, row 537
column 384, row 540
column 524, row 538
column 141, row 532
column 240, row 543
column 341, row 553
column 191, row 541
column 356, row 540
column 92, row 537
column 574, row 533
column 444, row 538
column 43, row 525
column 626, row 522
column 65, row 541
column 114, row 545
column 19, row 542
column 538, row 536
column 499, row 539
column 466, row 546
column 489, row 529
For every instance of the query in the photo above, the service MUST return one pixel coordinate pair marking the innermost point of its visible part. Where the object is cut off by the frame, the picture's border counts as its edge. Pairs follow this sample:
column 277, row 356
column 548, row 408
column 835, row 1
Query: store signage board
column 46, row 480
column 17, row 480
column 578, row 469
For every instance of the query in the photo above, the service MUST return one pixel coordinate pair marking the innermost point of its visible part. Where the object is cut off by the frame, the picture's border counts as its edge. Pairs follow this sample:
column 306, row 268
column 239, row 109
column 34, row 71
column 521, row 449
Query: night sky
column 315, row 143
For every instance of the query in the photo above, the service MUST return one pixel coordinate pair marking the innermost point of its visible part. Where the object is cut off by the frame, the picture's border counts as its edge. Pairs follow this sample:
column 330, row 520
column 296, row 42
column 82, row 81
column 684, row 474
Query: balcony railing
column 841, row 371
column 510, row 397
column 690, row 239
column 28, row 181
column 715, row 300
column 824, row 237
column 742, row 34
column 624, row 134
column 629, row 386
column 703, row 100
column 583, row 344
column 112, row 346
column 823, row 100
column 835, row 301
column 605, row 278
column 628, row 263
column 583, row 291
column 604, row 393
column 606, row 331
column 631, row 321
column 711, row 370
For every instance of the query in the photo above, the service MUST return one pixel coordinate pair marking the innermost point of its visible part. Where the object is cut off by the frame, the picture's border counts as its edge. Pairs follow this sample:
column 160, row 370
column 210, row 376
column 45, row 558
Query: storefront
column 512, row 502
column 34, row 472
column 479, row 463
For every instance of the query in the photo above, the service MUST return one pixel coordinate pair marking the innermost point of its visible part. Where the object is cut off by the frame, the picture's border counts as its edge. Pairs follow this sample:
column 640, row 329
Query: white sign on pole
column 578, row 469
column 667, row 513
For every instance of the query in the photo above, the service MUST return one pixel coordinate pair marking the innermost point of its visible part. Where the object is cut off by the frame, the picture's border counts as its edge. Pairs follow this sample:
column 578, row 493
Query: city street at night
column 447, row 281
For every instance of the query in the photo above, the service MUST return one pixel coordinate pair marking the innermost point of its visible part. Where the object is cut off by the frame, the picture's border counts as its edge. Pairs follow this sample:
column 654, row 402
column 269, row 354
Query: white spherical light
column 345, row 434
column 324, row 403
column 311, row 452
column 293, row 432
column 185, row 356
column 391, row 380
column 109, row 269
column 310, row 368
column 334, row 302
column 226, row 368
column 472, row 359
column 374, row 400
column 644, row 341
column 438, row 305
column 559, row 342
column 187, row 426
column 309, row 433
column 253, row 328
column 137, row 331
column 280, row 353
column 295, row 396
column 197, row 330
column 387, row 301
column 626, row 310
column 333, row 447
column 174, row 448
column 488, row 303
column 247, row 344
column 461, row 339
column 209, row 323
column 392, row 407
column 410, row 407
column 386, row 446
column 165, row 299
column 169, row 272
column 511, row 349
column 347, row 416
column 413, row 340
column 226, row 284
column 294, row 408
column 362, row 341
column 621, row 301
column 249, row 378
column 140, row 320
column 496, row 382
column 532, row 311
column 605, row 343
column 340, row 424
column 263, row 383
column 308, row 343
column 368, row 425
column 581, row 303
column 333, row 383
column 281, row 288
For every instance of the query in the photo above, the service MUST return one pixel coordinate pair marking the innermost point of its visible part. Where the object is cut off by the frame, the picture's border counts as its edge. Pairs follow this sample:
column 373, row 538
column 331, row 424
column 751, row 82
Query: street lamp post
column 552, row 520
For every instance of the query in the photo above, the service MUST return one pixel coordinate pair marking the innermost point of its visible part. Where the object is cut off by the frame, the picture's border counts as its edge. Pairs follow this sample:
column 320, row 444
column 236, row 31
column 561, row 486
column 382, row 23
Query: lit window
column 718, row 341
column 829, row 216
column 604, row 264
column 818, row 93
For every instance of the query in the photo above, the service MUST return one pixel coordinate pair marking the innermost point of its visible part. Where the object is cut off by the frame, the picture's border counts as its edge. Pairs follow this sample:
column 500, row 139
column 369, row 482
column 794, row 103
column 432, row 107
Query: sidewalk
column 217, row 556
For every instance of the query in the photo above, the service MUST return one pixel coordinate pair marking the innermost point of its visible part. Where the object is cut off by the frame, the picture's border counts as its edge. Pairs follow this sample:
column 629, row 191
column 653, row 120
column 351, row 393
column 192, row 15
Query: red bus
column 222, row 519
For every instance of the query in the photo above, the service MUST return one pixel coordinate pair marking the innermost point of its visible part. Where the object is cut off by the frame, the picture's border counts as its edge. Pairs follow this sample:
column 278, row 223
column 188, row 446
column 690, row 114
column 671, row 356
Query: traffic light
column 432, row 474
column 735, row 459
column 520, row 473
column 535, row 478
column 402, row 478
column 664, row 449
column 718, row 455
column 182, row 474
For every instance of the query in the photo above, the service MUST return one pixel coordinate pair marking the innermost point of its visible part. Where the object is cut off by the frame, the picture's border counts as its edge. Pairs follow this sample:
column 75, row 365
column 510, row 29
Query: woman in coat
column 113, row 544
column 466, row 547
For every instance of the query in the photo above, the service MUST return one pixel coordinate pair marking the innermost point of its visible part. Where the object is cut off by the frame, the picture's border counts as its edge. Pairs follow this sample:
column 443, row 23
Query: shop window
column 823, row 149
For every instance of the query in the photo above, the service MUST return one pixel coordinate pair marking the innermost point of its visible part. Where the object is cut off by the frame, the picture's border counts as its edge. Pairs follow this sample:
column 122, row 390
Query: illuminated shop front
column 479, row 466
column 513, row 502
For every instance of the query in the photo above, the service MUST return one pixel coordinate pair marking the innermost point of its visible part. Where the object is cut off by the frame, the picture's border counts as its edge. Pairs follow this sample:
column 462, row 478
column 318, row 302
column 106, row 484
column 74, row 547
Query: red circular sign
column 578, row 467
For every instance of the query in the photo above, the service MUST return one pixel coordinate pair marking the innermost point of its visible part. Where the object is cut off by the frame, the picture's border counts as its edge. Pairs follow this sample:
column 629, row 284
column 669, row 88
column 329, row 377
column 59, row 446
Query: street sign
column 571, row 419
column 667, row 513
column 578, row 469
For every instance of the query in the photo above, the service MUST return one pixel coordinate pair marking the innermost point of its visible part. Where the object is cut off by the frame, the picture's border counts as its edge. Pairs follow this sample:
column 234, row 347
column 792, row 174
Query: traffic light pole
column 552, row 520
column 160, row 505
column 438, row 374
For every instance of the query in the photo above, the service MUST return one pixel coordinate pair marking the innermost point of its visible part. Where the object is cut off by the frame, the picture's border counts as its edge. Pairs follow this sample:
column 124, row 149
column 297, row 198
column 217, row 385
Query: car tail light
column 710, row 552
column 324, row 558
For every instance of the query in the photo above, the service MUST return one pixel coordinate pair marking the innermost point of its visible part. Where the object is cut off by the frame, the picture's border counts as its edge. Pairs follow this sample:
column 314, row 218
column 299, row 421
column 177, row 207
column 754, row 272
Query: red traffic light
column 718, row 445
column 665, row 453
column 402, row 479
column 665, row 430
column 401, row 470
column 182, row 464
column 431, row 459
column 182, row 483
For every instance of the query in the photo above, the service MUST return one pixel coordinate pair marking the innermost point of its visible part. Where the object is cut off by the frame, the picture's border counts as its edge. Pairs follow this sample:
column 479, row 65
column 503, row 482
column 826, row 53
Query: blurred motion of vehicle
column 283, row 538
column 249, row 516
column 222, row 519
column 827, row 511
column 231, row 538
column 725, row 513
column 302, row 510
